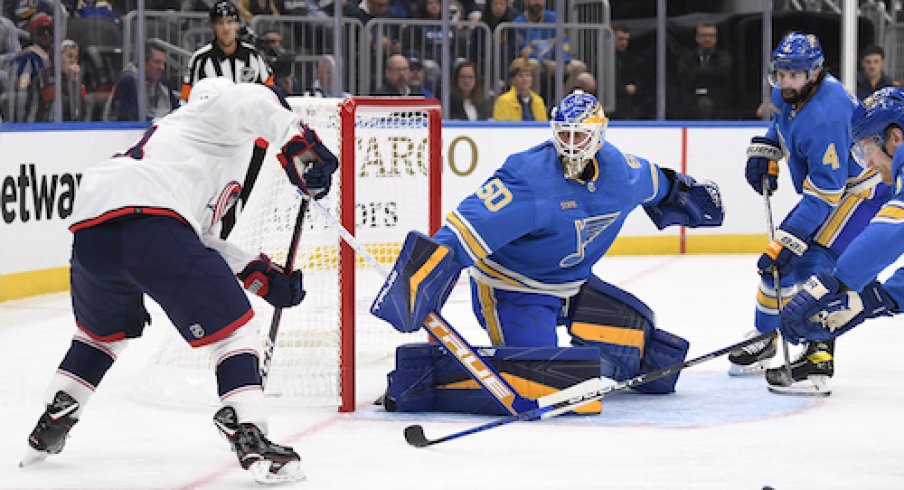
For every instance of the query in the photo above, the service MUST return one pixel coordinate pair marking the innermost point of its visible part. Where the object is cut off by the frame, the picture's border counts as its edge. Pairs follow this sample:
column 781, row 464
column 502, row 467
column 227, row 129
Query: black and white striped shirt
column 245, row 65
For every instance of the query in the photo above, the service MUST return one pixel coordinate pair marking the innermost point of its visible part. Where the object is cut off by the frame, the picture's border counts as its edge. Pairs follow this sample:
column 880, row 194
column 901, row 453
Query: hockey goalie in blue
column 832, row 302
column 530, row 236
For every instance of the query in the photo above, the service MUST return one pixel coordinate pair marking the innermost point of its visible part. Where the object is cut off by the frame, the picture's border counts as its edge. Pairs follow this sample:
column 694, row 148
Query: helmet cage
column 578, row 128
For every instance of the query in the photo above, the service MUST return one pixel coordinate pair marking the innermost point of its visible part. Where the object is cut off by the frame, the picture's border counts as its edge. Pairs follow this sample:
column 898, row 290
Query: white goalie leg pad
column 577, row 391
column 248, row 400
column 290, row 472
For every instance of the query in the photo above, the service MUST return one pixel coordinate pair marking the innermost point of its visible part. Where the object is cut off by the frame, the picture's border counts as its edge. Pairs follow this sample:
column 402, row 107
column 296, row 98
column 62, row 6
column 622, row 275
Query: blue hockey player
column 811, row 131
column 530, row 236
column 833, row 302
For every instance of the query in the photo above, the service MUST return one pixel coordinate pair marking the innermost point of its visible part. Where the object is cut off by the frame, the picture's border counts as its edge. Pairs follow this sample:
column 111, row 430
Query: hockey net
column 388, row 183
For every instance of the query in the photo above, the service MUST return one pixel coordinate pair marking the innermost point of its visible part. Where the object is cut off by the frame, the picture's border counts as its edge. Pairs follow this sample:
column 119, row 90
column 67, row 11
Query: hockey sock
column 84, row 366
column 238, row 375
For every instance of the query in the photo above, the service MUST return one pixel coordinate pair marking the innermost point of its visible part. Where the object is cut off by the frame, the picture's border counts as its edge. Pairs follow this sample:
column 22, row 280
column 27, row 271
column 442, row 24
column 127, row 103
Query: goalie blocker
column 614, row 336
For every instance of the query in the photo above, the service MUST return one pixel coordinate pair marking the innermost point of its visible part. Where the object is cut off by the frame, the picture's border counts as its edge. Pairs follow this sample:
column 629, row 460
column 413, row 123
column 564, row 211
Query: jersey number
column 137, row 151
column 495, row 195
column 830, row 157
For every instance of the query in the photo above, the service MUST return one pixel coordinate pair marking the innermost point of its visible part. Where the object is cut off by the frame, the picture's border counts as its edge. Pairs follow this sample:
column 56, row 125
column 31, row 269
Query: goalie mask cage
column 388, row 183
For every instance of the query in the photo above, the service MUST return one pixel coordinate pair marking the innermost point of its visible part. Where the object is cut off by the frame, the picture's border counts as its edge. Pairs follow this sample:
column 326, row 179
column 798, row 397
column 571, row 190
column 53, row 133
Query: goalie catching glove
column 419, row 283
column 308, row 163
column 825, row 308
column 267, row 280
column 763, row 155
column 688, row 203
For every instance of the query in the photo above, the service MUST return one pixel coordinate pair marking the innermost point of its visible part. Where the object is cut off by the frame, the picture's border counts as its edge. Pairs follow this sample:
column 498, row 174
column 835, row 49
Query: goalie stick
column 277, row 312
column 443, row 333
column 575, row 396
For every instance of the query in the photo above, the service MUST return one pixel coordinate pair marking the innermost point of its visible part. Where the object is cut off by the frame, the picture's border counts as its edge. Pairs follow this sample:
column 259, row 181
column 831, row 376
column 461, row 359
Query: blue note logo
column 586, row 230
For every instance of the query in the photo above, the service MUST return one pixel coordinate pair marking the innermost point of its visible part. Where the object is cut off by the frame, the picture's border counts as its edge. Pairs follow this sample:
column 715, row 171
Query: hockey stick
column 575, row 396
column 440, row 330
column 277, row 313
column 776, row 279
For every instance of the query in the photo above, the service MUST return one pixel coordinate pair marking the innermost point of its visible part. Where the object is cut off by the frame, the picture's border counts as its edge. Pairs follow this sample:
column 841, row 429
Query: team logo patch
column 197, row 330
column 248, row 74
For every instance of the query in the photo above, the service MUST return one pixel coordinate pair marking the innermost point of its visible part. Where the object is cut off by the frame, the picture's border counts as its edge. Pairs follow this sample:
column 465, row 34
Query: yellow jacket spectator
column 520, row 103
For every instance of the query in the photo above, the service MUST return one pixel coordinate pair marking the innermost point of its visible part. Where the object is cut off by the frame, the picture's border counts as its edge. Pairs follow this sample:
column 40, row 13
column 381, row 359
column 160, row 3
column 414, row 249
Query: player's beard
column 793, row 96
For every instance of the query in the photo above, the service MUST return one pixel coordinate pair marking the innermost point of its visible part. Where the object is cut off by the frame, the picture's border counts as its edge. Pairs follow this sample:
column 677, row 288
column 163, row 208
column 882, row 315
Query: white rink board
column 713, row 152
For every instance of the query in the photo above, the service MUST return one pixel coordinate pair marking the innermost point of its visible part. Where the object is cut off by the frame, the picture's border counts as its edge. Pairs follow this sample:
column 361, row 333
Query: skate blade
column 755, row 369
column 290, row 472
column 32, row 456
column 812, row 386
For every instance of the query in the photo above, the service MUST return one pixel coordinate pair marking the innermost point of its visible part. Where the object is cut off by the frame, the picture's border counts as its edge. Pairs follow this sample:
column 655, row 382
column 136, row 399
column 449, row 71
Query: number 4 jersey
column 529, row 229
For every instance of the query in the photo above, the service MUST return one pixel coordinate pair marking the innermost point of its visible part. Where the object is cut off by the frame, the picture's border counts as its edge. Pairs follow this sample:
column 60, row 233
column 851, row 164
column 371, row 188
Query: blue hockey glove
column 763, row 155
column 308, row 163
column 688, row 203
column 781, row 253
column 825, row 308
column 267, row 280
column 419, row 283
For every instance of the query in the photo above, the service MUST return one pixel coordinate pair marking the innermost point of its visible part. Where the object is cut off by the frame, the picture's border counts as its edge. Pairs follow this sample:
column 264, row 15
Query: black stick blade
column 414, row 435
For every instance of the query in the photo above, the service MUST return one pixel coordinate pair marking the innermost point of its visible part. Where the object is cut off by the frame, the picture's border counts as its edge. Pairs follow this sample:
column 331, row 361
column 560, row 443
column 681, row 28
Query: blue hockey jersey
column 880, row 244
column 528, row 228
column 816, row 140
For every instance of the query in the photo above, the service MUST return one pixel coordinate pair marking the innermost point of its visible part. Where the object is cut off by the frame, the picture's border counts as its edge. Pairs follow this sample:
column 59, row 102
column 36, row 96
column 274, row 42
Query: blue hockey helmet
column 578, row 125
column 884, row 108
column 796, row 51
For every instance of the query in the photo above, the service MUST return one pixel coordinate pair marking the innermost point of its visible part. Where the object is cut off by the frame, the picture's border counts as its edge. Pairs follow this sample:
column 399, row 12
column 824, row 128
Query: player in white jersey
column 146, row 222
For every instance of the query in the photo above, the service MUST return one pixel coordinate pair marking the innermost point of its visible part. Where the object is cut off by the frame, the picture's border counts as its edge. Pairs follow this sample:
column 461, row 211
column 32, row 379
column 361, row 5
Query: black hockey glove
column 308, row 163
column 267, row 280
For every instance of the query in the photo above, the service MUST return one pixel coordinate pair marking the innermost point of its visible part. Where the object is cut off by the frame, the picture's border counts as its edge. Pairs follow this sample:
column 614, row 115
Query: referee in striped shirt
column 226, row 56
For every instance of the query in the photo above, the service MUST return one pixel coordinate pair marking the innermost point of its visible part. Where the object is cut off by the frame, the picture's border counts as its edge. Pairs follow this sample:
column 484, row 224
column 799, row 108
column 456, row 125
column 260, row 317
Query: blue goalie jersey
column 527, row 228
column 816, row 141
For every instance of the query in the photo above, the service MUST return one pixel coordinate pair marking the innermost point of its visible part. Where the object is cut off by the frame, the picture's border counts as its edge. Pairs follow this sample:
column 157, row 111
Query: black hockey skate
column 267, row 462
column 810, row 372
column 752, row 360
column 49, row 435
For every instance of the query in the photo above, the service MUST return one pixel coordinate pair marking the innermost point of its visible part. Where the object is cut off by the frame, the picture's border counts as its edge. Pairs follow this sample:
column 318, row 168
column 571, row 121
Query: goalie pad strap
column 419, row 283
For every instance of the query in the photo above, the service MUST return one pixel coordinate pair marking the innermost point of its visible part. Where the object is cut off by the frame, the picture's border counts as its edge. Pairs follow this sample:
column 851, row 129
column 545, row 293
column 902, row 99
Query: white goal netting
column 387, row 185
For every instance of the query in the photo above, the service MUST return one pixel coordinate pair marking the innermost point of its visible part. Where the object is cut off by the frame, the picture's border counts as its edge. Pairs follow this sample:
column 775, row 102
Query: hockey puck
column 767, row 487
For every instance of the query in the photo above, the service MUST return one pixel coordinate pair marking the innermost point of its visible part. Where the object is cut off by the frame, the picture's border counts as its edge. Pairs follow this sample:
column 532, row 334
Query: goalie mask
column 578, row 130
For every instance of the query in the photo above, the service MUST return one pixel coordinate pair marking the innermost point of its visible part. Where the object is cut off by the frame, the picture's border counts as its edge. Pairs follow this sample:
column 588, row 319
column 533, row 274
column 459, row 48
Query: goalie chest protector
column 428, row 379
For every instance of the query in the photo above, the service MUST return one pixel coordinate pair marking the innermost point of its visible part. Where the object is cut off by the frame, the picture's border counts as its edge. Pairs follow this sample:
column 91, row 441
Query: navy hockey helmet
column 223, row 8
column 884, row 108
column 578, row 125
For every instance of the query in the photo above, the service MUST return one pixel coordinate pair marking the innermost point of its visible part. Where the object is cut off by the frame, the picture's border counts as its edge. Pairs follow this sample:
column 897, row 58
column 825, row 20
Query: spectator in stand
column 24, row 10
column 403, row 9
column 520, row 103
column 226, row 56
column 72, row 89
column 872, row 75
column 627, row 84
column 323, row 79
column 379, row 9
column 586, row 82
column 9, row 49
column 249, row 8
column 539, row 43
column 494, row 13
column 418, row 79
column 30, row 65
column 704, row 75
column 396, row 76
column 162, row 99
column 428, row 40
column 96, row 9
column 467, row 101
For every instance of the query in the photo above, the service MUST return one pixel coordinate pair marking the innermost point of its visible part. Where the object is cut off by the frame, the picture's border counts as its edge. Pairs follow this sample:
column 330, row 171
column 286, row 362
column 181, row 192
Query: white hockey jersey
column 189, row 165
